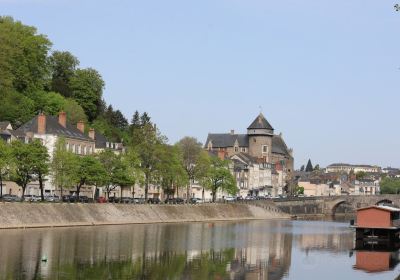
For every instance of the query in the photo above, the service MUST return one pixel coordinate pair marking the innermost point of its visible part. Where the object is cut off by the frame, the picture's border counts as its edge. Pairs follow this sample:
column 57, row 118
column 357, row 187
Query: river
column 270, row 250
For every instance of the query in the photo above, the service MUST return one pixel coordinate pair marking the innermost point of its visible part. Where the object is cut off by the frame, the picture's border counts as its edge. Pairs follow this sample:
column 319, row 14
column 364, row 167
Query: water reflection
column 245, row 250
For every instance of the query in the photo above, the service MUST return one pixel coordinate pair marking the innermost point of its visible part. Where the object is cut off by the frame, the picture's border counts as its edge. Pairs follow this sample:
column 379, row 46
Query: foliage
column 87, row 89
column 15, row 107
column 86, row 171
column 316, row 167
column 309, row 167
column 29, row 161
column 190, row 150
column 63, row 66
column 23, row 56
column 5, row 157
column 302, row 168
column 220, row 178
column 390, row 186
column 299, row 190
column 116, row 171
column 360, row 175
column 62, row 166
column 40, row 162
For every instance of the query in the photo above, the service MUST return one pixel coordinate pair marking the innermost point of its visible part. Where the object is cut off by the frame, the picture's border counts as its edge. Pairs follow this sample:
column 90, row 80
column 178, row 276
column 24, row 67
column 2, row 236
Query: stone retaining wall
column 27, row 215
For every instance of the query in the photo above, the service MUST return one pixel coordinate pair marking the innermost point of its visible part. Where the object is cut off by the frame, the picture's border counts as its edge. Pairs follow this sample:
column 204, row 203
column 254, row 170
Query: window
column 243, row 150
column 67, row 146
column 236, row 149
column 73, row 148
column 264, row 149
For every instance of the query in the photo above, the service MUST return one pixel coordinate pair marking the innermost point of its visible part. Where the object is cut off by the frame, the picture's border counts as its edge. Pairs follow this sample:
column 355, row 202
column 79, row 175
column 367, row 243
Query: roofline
column 378, row 207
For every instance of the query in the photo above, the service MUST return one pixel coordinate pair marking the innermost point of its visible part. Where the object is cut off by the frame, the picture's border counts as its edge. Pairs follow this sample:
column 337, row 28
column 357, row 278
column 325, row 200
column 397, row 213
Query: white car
column 230, row 198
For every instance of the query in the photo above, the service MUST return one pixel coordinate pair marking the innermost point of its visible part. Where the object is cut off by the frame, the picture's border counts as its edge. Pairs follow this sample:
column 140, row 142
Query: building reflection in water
column 374, row 258
column 242, row 250
column 176, row 251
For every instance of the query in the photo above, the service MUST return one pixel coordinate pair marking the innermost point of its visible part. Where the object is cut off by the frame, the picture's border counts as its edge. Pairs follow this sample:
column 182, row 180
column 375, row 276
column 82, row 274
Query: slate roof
column 228, row 140
column 260, row 123
column 53, row 127
column 4, row 125
column 101, row 140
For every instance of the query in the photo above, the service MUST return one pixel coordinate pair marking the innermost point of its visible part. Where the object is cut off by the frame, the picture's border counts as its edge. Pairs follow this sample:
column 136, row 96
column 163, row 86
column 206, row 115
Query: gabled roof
column 54, row 127
column 260, row 123
column 385, row 208
column 5, row 125
column 223, row 140
column 245, row 158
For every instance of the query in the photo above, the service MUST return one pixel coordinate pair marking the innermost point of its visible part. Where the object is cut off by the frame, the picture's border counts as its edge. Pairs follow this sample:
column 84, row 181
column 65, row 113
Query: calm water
column 244, row 250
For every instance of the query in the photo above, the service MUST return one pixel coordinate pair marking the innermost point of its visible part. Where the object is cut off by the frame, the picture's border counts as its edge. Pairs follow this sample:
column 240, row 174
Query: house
column 262, row 161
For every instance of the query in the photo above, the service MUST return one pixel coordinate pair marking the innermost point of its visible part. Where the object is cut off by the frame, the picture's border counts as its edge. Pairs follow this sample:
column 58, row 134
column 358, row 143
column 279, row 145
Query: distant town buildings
column 347, row 168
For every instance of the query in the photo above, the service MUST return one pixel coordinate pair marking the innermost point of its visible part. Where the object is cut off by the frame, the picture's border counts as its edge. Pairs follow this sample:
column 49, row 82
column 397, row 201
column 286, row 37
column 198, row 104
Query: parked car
column 138, row 200
column 174, row 200
column 10, row 198
column 125, row 200
column 113, row 199
column 195, row 200
column 230, row 198
column 52, row 198
column 154, row 200
column 83, row 199
column 249, row 197
column 32, row 198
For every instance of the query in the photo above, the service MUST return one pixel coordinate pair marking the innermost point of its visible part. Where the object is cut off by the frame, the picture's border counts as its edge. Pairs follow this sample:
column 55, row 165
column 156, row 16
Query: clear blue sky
column 326, row 73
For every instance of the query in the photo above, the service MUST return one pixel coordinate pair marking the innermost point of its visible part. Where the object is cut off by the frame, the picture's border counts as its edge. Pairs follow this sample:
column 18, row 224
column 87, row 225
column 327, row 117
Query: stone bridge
column 328, row 205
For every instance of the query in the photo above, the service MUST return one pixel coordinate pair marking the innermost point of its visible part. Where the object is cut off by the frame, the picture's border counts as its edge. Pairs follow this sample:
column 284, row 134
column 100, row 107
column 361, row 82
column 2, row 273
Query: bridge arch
column 343, row 202
column 384, row 201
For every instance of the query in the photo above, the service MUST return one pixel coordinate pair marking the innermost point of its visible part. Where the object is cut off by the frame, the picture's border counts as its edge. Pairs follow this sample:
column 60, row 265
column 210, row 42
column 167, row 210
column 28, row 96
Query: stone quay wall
column 31, row 215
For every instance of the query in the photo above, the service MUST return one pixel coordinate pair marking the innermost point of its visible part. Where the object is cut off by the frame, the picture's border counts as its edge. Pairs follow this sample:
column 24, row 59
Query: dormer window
column 236, row 149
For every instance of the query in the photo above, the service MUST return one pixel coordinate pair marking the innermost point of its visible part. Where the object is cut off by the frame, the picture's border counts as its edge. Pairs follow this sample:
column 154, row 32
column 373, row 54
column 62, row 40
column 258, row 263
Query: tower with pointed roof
column 260, row 133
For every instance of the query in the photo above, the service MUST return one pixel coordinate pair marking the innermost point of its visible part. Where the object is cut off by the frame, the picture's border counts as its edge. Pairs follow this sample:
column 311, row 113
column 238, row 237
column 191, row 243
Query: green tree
column 203, row 165
column 316, row 167
column 62, row 166
column 190, row 150
column 86, row 171
column 309, row 167
column 220, row 178
column 5, row 157
column 87, row 89
column 147, row 143
column 74, row 111
column 63, row 66
column 15, row 107
column 171, row 174
column 51, row 103
column 116, row 171
column 23, row 164
column 360, row 175
column 40, row 163
column 390, row 186
column 302, row 168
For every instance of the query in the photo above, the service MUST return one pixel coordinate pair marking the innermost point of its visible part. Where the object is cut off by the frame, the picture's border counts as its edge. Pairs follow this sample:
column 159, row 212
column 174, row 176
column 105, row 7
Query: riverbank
column 31, row 215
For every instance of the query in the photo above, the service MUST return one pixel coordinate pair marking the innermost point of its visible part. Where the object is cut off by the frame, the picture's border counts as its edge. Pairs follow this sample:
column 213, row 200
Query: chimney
column 62, row 118
column 232, row 132
column 221, row 155
column 91, row 133
column 41, row 123
column 81, row 126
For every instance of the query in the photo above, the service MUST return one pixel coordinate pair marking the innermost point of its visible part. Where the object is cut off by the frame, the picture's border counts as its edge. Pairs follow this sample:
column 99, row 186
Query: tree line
column 147, row 161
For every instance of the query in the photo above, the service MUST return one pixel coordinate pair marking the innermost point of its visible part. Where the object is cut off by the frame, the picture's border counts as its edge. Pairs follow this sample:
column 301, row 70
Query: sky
column 324, row 73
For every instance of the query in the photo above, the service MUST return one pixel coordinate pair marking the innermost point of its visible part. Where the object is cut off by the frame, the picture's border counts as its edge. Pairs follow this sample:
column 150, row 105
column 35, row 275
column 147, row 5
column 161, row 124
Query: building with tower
column 261, row 161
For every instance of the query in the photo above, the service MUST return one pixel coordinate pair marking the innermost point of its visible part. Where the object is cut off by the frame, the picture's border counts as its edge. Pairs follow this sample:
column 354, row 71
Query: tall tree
column 220, row 178
column 23, row 56
column 62, row 166
column 63, row 66
column 309, row 167
column 40, row 162
column 86, row 171
column 15, row 107
column 87, row 89
column 190, row 150
column 5, row 157
column 23, row 164
column 171, row 174
column 147, row 143
column 116, row 171
column 202, row 168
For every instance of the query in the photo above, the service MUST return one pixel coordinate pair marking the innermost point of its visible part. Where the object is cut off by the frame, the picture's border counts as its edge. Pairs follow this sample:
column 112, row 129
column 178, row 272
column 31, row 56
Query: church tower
column 260, row 134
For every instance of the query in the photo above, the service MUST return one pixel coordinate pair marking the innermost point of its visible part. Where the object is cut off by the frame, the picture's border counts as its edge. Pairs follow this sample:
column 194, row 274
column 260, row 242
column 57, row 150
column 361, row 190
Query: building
column 262, row 162
column 348, row 168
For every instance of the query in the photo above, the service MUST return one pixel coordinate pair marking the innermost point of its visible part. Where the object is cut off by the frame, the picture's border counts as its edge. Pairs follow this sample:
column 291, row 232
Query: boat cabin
column 378, row 217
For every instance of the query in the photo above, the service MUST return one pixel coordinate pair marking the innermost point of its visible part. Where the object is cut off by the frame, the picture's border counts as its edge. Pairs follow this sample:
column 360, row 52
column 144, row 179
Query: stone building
column 262, row 162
